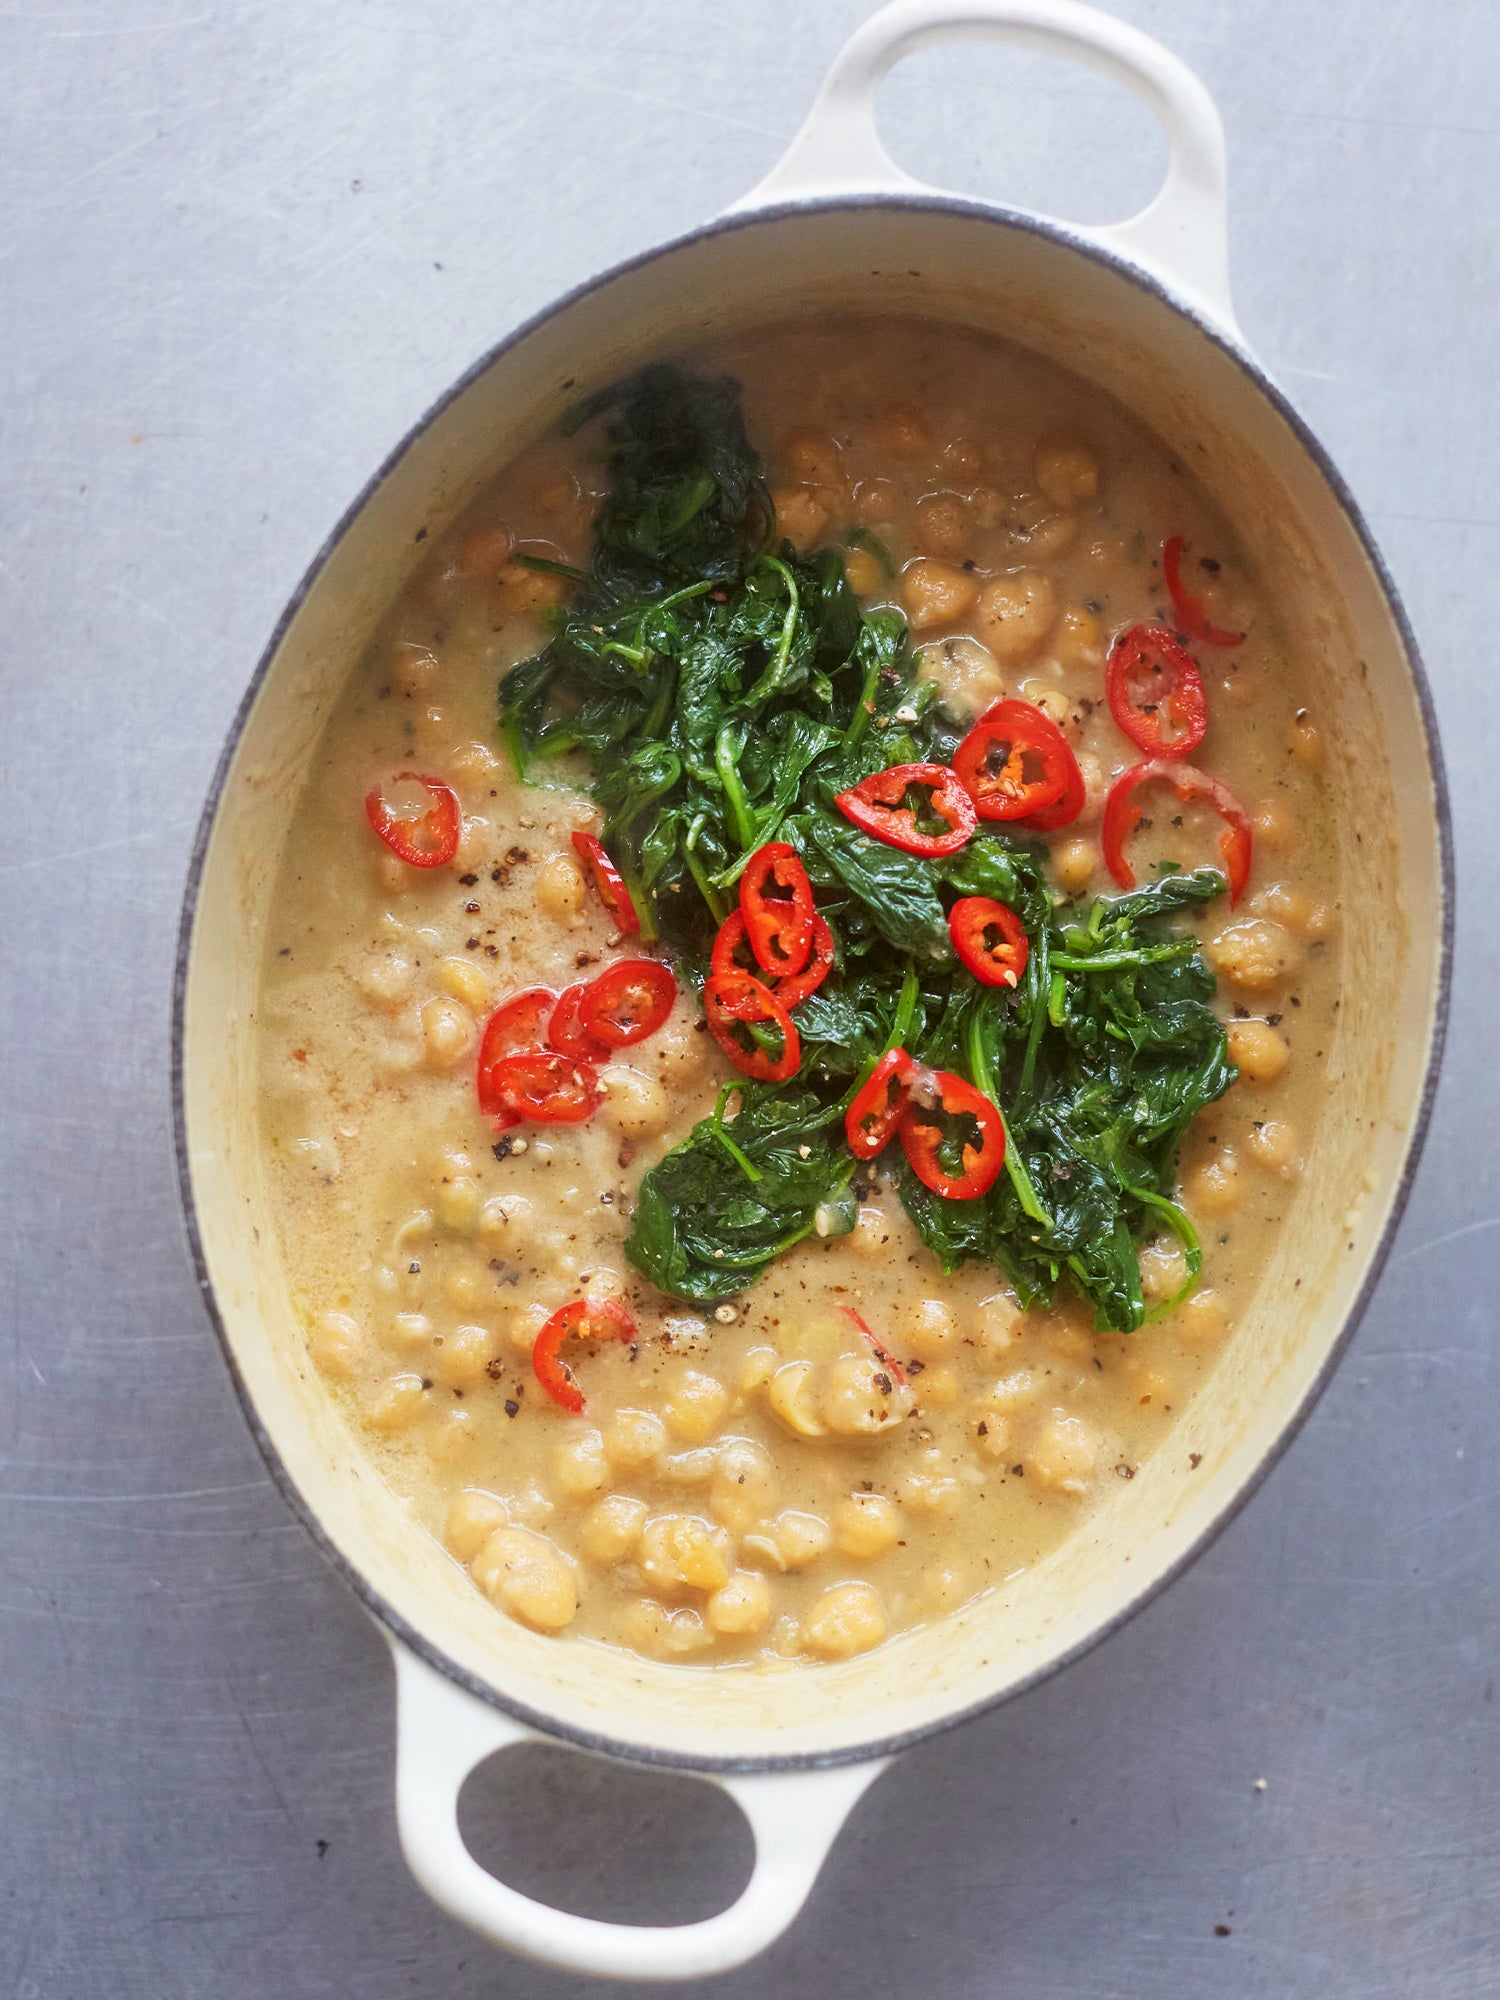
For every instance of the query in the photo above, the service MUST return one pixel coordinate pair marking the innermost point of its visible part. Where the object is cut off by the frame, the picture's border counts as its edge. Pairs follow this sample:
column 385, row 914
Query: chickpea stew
column 770, row 1123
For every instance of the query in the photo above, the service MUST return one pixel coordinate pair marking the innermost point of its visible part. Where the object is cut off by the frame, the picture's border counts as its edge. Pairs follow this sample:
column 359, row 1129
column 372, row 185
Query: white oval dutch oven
column 1142, row 309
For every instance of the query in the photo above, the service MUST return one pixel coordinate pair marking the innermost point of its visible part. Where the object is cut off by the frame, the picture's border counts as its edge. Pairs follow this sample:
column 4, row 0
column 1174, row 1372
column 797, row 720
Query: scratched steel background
column 243, row 245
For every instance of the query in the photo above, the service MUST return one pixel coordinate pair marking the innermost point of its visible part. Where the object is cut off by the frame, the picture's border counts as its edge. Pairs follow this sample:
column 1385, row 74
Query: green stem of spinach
column 775, row 671
column 984, row 1080
column 1121, row 961
column 737, row 1153
column 906, row 1007
column 1179, row 1223
column 705, row 888
column 864, row 708
column 728, row 744
column 1039, row 971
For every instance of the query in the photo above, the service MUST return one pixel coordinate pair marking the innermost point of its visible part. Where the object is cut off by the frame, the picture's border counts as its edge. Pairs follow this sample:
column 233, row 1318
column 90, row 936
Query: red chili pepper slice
column 422, row 839
column 1122, row 815
column 627, row 1002
column 1156, row 692
column 996, row 960
column 541, row 1085
column 518, row 1026
column 567, row 1033
column 779, row 926
column 883, row 1353
column 1015, row 764
column 608, row 881
column 923, row 1137
column 871, row 1120
column 584, row 1319
column 732, row 937
column 875, row 806
column 736, row 1000
column 1187, row 607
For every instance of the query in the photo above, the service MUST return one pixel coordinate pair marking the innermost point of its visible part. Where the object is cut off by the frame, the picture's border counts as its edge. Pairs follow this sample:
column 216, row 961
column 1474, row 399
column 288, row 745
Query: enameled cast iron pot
column 1142, row 310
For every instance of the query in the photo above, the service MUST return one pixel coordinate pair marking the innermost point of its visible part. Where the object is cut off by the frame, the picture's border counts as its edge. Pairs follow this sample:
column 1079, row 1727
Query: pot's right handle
column 1180, row 237
column 442, row 1734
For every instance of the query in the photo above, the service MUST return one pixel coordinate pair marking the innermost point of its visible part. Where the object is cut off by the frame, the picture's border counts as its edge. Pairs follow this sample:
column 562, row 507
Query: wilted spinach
column 725, row 688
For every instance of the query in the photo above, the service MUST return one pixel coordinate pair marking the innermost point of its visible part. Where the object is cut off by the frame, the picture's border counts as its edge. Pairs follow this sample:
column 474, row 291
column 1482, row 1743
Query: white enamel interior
column 978, row 269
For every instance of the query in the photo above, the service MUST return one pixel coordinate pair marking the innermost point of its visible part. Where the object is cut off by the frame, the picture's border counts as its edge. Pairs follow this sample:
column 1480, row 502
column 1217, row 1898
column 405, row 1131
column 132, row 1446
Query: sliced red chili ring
column 737, row 1000
column 871, row 1120
column 541, row 1085
column 422, row 839
column 1156, row 692
column 1053, row 818
column 627, row 1002
column 518, row 1026
column 883, row 1353
column 733, row 937
column 567, row 1033
column 1015, row 764
column 924, row 1140
column 584, row 1319
column 875, row 805
column 990, row 939
column 778, row 925
column 1187, row 606
column 608, row 880
column 1122, row 815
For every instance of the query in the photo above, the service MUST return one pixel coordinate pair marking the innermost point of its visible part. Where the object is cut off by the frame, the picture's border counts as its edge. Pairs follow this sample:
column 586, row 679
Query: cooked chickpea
column 800, row 1538
column 1213, row 1186
column 680, row 1051
column 457, row 1202
column 1051, row 700
column 946, row 1585
column 930, row 1493
column 560, row 888
column 928, row 1329
column 745, row 1487
column 1257, row 1050
column 1079, row 639
column 336, row 1343
column 740, row 1606
column 524, row 1324
column 635, row 1104
column 398, row 1404
column 966, row 674
column 633, row 1438
column 999, row 1322
column 964, row 457
column 993, row 1431
column 756, row 1370
column 1273, row 824
column 411, row 1333
column 386, row 978
column 472, row 1519
column 525, row 592
column 1015, row 613
column 862, row 572
column 1067, row 473
column 527, row 1575
column 451, row 1438
column 792, row 1397
column 1015, row 1392
column 943, row 526
column 1201, row 1320
column 861, row 1397
column 1305, row 740
column 475, row 763
column 939, row 1388
column 510, row 1219
column 1273, row 1144
column 466, row 1355
column 1064, row 1453
column 697, row 1406
column 875, row 501
column 871, row 1234
column 482, row 550
column 800, row 515
column 1151, row 1384
column 579, row 1467
column 935, row 593
column 847, row 1619
column 1076, row 862
column 812, row 457
column 1163, row 1271
column 612, row 1527
column 462, row 978
column 903, row 430
column 1255, row 954
column 865, row 1525
column 651, row 1628
column 680, row 1552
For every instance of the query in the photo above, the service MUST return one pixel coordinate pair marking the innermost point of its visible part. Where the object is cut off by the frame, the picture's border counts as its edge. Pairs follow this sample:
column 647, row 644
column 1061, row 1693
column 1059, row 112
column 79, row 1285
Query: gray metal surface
column 243, row 247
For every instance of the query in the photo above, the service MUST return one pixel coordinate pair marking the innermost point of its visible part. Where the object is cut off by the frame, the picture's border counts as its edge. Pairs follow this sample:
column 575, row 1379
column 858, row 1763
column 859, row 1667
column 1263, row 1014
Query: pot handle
column 442, row 1733
column 1180, row 236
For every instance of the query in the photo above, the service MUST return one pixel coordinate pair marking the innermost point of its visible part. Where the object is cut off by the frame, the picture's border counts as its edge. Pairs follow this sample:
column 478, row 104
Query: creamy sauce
column 734, row 1490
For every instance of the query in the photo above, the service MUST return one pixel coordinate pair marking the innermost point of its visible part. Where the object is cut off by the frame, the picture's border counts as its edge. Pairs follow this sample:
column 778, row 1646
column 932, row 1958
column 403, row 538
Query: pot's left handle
column 443, row 1734
column 1180, row 235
